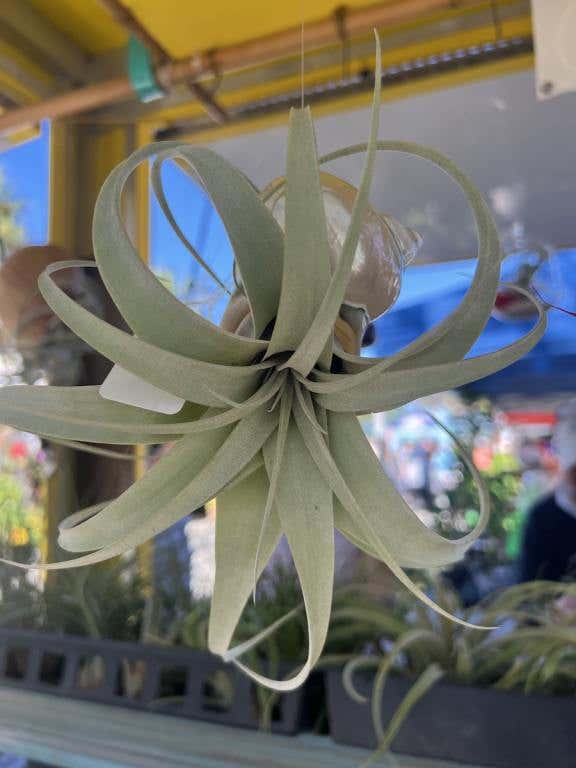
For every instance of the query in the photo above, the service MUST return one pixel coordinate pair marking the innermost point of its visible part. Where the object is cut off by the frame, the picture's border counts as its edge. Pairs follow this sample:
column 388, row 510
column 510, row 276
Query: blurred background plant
column 103, row 601
column 359, row 617
column 20, row 520
column 531, row 648
column 11, row 232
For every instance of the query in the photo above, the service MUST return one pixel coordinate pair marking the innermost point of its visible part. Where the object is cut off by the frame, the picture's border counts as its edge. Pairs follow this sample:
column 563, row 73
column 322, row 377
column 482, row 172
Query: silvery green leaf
column 194, row 380
column 388, row 389
column 158, row 189
column 254, row 233
column 95, row 450
column 155, row 491
column 153, row 313
column 307, row 265
column 79, row 413
column 196, row 469
column 304, row 504
column 406, row 536
column 320, row 326
column 454, row 336
column 219, row 470
column 402, row 530
column 273, row 453
column 366, row 516
column 239, row 516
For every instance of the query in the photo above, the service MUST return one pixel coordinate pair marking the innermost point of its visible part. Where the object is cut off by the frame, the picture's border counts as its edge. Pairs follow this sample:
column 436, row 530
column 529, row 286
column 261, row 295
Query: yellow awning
column 68, row 56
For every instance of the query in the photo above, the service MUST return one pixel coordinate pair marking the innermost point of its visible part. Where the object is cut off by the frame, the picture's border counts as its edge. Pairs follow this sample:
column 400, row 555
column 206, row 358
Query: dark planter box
column 471, row 725
column 176, row 681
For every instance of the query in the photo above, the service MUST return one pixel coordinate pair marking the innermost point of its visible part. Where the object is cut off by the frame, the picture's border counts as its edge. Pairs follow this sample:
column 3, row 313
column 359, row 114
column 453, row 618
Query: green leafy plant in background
column 109, row 601
column 504, row 487
column 20, row 518
column 106, row 601
column 11, row 233
column 269, row 424
column 502, row 479
column 538, row 653
column 359, row 616
column 533, row 648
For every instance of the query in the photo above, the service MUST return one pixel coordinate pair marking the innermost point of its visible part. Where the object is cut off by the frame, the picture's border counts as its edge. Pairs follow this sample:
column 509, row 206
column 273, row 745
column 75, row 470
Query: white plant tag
column 124, row 387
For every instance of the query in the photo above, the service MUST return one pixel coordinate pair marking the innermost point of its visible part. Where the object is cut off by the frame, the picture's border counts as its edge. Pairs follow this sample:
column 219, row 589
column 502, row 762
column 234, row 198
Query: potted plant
column 278, row 593
column 502, row 698
column 102, row 634
column 105, row 602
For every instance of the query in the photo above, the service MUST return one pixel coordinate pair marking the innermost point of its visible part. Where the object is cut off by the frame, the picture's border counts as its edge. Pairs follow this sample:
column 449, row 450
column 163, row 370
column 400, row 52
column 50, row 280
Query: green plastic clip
column 141, row 72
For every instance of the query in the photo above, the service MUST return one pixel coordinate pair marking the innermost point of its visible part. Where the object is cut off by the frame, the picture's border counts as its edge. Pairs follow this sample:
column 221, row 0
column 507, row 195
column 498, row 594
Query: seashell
column 237, row 314
column 384, row 249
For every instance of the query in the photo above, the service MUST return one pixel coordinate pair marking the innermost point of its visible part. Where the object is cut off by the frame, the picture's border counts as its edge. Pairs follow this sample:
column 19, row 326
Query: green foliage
column 531, row 647
column 502, row 479
column 11, row 233
column 504, row 488
column 20, row 519
column 104, row 601
column 358, row 617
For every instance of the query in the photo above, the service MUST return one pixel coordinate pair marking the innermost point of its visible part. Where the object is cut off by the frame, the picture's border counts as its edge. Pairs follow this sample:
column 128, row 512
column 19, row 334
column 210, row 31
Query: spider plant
column 532, row 648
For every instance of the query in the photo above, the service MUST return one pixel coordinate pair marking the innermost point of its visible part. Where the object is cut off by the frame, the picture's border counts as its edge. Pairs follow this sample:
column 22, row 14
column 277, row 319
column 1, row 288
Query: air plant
column 268, row 422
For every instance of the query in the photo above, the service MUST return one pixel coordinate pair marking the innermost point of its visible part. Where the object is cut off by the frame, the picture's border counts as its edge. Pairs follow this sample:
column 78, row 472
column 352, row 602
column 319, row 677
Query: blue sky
column 26, row 168
column 27, row 173
column 202, row 225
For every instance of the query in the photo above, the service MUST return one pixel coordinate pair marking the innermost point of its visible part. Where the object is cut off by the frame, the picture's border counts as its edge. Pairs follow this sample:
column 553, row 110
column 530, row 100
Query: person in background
column 549, row 543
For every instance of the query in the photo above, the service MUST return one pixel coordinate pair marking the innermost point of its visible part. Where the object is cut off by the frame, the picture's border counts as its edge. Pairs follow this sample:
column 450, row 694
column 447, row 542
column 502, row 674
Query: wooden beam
column 252, row 52
column 69, row 103
column 17, row 86
column 20, row 21
column 20, row 84
column 406, row 42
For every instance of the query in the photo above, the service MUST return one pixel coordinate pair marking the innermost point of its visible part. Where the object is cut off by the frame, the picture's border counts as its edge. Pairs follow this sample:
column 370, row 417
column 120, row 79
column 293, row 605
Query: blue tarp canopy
column 430, row 291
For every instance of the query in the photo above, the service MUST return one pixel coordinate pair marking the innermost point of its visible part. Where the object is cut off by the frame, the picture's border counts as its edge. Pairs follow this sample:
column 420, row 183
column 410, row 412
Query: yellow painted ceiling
column 185, row 26
column 86, row 22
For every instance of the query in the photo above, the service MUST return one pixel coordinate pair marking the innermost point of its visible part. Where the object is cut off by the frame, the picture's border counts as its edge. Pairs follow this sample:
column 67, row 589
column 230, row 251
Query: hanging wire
column 302, row 65
column 552, row 306
column 496, row 19
column 340, row 16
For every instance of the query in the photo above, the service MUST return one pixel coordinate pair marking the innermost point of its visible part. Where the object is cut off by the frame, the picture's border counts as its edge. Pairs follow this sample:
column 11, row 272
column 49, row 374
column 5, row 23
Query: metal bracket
column 207, row 95
column 141, row 72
